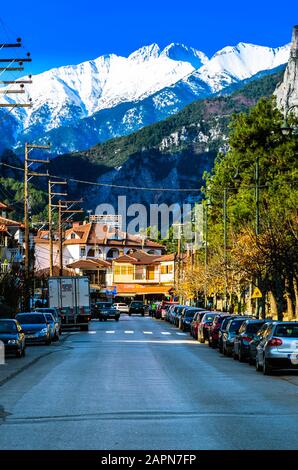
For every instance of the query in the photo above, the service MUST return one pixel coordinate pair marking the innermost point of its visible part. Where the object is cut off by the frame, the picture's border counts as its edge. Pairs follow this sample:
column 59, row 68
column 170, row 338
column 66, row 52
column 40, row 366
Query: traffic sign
column 257, row 294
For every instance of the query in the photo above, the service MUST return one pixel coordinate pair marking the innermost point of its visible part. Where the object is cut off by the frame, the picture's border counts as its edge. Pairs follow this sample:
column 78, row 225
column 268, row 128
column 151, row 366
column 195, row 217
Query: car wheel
column 224, row 351
column 48, row 342
column 258, row 367
column 251, row 361
column 24, row 352
column 240, row 356
column 209, row 343
column 235, row 357
column 117, row 319
column 19, row 354
column 267, row 369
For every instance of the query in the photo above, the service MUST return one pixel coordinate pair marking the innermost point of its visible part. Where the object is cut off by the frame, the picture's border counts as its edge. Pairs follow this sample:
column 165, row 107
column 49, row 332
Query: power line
column 142, row 188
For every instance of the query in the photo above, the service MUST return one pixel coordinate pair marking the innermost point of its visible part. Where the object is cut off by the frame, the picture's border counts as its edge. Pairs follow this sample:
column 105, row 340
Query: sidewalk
column 14, row 366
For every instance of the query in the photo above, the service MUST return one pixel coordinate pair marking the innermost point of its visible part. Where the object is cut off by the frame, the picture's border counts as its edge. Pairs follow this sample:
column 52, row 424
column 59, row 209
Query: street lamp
column 286, row 129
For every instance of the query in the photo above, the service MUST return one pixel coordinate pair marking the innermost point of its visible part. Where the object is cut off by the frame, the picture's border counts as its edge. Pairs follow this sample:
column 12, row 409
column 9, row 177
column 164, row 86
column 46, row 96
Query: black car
column 13, row 337
column 187, row 317
column 246, row 333
column 222, row 329
column 136, row 307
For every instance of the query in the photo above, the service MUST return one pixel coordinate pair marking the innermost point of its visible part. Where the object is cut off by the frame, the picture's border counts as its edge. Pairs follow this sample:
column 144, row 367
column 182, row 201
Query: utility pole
column 52, row 194
column 206, row 253
column 14, row 65
column 257, row 228
column 28, row 175
column 225, row 248
column 65, row 207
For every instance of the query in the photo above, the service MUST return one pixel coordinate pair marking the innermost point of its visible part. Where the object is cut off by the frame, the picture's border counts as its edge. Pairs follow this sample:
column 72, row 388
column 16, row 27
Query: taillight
column 246, row 339
column 275, row 342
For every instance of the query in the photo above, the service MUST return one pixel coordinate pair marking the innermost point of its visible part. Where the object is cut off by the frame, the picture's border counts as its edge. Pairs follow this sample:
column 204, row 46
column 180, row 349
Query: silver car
column 278, row 348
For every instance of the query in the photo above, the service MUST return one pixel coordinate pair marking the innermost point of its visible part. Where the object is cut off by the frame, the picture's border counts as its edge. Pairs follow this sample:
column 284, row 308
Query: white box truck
column 71, row 296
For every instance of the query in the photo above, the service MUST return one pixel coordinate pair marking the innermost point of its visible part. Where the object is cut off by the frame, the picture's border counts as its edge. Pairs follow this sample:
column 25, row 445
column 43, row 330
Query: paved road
column 141, row 384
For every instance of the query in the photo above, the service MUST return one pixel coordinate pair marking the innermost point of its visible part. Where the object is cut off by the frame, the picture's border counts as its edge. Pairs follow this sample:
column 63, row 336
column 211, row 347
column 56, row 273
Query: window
column 73, row 236
column 83, row 251
column 123, row 270
column 166, row 268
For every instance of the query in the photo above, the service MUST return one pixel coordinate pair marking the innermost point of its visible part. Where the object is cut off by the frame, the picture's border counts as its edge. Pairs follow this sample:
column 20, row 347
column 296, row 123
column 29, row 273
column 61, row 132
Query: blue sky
column 59, row 32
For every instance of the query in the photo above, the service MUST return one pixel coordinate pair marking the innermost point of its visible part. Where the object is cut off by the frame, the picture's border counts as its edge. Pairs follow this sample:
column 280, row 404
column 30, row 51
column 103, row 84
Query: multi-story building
column 11, row 239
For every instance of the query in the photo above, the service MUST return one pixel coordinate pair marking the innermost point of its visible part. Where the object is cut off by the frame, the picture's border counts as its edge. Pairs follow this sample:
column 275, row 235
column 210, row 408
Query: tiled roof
column 45, row 272
column 10, row 222
column 89, row 264
column 4, row 206
column 138, row 257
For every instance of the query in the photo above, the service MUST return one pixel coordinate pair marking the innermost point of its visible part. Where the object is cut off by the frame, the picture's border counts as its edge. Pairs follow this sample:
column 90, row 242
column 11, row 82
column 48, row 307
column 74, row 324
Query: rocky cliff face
column 287, row 92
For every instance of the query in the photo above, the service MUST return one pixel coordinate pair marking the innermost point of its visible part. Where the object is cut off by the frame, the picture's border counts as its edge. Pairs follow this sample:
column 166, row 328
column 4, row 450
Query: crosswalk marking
column 148, row 332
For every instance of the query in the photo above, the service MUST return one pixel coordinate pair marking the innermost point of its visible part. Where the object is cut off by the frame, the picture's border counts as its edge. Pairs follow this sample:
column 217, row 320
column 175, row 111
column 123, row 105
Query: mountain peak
column 145, row 53
column 180, row 52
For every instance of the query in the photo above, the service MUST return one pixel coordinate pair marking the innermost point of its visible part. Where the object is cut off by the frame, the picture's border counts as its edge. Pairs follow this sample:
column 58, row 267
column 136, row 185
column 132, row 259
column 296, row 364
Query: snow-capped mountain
column 158, row 81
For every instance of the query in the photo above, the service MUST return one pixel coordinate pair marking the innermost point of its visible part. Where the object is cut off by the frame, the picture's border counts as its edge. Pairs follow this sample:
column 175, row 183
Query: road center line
column 148, row 332
column 129, row 332
column 165, row 333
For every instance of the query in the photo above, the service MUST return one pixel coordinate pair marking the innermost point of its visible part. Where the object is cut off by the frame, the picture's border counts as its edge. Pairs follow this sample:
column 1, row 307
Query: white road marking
column 92, row 332
column 181, row 334
column 110, row 332
column 129, row 332
column 165, row 333
column 148, row 332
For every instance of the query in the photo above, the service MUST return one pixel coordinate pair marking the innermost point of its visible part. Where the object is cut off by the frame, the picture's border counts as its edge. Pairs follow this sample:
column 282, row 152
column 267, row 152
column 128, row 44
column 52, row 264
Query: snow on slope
column 232, row 64
column 64, row 96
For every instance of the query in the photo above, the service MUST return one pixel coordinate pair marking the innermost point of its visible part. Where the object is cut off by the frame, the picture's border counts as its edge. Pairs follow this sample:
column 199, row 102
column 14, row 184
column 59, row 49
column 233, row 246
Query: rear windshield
column 253, row 327
column 31, row 319
column 235, row 325
column 104, row 305
column 286, row 331
column 209, row 317
column 8, row 327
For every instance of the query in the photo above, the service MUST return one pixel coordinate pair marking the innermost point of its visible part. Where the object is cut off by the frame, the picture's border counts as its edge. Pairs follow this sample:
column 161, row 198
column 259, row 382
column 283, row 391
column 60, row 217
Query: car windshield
column 286, row 331
column 31, row 319
column 49, row 317
column 8, row 327
column 253, row 327
column 190, row 313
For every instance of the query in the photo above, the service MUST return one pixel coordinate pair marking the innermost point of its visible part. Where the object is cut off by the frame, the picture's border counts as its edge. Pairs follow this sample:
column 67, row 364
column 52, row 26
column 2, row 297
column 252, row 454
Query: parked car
column 169, row 312
column 13, row 337
column 178, row 314
column 173, row 313
column 222, row 329
column 121, row 307
column 278, row 349
column 54, row 326
column 109, row 313
column 55, row 312
column 205, row 325
column 256, row 341
column 229, row 334
column 214, row 329
column 98, row 307
column 194, row 326
column 186, row 318
column 36, row 327
column 246, row 333
column 136, row 307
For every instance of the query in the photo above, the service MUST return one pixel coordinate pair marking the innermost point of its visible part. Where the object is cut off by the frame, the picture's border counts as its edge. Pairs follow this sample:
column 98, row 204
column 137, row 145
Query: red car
column 214, row 329
column 205, row 325
column 195, row 323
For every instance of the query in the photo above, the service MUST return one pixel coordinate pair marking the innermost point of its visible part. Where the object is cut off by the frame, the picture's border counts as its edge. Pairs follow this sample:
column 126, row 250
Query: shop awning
column 133, row 289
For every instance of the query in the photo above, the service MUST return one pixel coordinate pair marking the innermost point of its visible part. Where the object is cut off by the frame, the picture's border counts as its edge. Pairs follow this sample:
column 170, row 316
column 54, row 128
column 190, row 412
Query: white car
column 122, row 307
